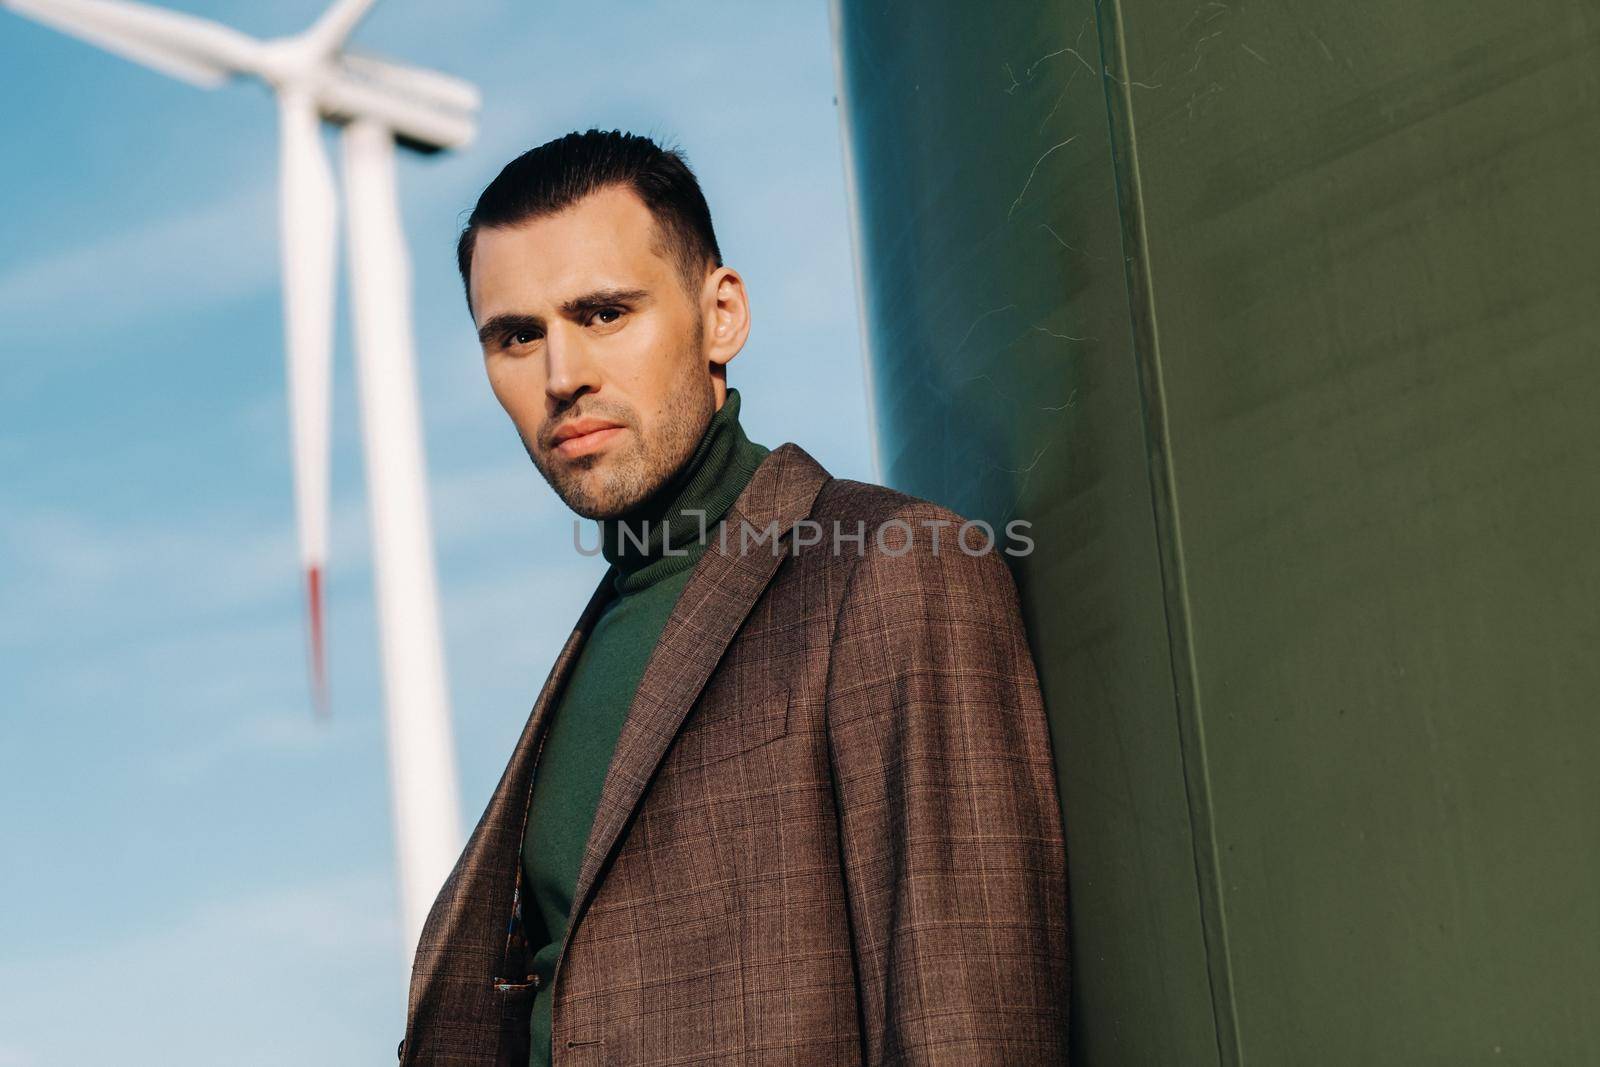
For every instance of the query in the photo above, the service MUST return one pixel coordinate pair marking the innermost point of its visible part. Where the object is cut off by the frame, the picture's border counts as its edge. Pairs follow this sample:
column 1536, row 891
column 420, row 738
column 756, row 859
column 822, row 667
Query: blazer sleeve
column 949, row 821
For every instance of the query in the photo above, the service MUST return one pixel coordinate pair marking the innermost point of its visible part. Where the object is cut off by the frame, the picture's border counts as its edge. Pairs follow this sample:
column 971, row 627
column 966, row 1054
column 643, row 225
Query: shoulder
column 891, row 543
column 846, row 499
column 929, row 613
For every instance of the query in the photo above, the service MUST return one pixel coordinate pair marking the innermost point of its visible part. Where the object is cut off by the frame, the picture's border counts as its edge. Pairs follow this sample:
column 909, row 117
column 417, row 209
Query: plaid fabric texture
column 829, row 833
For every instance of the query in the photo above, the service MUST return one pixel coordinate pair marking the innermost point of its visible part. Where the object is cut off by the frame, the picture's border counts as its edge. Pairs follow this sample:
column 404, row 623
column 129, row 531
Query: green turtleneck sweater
column 592, row 706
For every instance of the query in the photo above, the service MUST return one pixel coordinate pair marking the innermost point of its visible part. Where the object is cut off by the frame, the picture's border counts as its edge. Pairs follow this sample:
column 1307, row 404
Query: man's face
column 582, row 318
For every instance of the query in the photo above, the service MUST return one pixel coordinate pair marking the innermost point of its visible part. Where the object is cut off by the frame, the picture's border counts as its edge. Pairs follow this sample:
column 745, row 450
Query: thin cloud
column 219, row 250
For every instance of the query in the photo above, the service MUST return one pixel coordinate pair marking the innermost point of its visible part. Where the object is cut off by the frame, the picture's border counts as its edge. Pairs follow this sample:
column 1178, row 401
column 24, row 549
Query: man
column 781, row 799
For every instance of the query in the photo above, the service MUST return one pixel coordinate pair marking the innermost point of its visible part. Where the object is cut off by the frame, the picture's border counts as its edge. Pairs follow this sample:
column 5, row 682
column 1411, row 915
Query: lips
column 583, row 435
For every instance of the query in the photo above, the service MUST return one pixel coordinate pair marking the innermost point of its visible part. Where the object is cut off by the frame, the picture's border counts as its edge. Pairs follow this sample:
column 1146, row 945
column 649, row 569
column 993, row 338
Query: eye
column 615, row 312
column 521, row 337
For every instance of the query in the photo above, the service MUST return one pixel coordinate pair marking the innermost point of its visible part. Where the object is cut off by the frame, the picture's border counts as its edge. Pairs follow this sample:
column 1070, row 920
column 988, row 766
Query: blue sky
column 196, row 871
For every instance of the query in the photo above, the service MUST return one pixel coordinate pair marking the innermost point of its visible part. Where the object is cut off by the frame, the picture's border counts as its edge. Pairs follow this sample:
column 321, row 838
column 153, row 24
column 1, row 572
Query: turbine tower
column 376, row 103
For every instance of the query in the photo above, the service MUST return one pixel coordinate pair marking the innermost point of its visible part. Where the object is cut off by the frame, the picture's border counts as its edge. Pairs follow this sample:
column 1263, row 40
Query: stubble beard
column 613, row 482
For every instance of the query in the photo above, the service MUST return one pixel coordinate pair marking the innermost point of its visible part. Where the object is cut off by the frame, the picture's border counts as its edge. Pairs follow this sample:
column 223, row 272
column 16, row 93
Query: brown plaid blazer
column 829, row 832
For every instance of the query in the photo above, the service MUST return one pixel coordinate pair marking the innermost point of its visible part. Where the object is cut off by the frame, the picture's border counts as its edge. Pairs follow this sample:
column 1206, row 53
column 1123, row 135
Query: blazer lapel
column 720, row 592
column 520, row 771
column 460, row 936
column 510, row 802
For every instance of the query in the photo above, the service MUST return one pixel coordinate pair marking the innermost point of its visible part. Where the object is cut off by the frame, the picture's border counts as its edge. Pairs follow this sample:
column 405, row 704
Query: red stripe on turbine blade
column 319, row 675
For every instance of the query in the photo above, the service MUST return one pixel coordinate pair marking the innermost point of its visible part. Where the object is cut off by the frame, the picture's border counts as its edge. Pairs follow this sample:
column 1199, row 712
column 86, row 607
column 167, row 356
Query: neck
column 667, row 532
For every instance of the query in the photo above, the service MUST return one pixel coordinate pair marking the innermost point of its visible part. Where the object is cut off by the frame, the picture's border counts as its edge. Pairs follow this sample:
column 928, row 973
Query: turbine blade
column 319, row 659
column 423, row 127
column 308, row 217
column 336, row 24
column 429, row 87
column 194, row 50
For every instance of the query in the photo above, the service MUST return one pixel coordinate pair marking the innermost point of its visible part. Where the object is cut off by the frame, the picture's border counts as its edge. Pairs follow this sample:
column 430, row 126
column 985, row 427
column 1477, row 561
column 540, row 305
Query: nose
column 569, row 368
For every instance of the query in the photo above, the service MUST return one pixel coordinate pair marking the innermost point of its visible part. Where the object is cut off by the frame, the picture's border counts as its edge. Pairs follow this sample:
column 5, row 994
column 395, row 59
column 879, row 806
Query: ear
column 726, row 310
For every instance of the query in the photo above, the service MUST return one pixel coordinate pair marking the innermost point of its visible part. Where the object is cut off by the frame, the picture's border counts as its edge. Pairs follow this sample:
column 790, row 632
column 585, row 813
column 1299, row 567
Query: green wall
column 1278, row 323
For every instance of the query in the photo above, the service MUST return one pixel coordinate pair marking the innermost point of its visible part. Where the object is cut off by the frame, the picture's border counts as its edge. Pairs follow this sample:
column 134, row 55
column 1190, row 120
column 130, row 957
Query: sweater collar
column 668, row 524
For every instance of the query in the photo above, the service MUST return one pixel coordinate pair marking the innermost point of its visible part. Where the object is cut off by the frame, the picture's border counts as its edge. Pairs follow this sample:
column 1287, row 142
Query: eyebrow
column 574, row 308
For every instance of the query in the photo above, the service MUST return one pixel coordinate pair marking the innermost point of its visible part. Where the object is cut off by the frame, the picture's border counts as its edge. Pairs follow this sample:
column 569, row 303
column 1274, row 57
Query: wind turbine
column 376, row 103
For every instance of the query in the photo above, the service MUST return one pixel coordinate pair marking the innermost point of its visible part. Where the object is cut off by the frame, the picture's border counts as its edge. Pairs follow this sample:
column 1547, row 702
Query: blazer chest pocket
column 711, row 735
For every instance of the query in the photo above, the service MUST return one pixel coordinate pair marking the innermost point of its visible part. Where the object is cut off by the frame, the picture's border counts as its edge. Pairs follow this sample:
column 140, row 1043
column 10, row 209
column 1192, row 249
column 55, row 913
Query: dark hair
column 547, row 179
